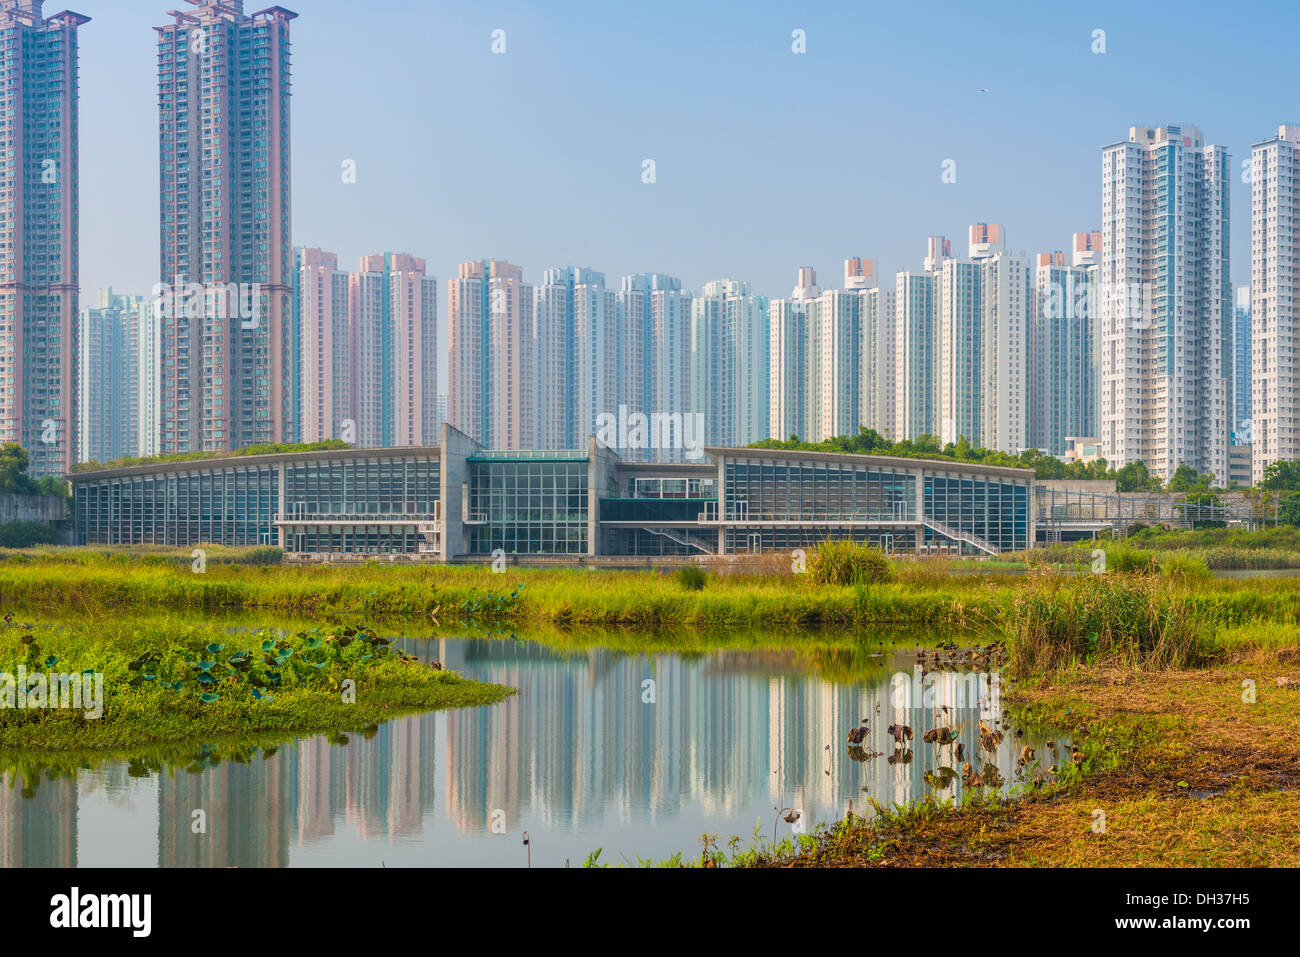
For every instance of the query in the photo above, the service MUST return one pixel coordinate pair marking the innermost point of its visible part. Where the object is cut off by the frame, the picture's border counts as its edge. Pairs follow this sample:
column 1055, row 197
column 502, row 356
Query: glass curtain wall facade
column 997, row 512
column 229, row 506
column 528, row 505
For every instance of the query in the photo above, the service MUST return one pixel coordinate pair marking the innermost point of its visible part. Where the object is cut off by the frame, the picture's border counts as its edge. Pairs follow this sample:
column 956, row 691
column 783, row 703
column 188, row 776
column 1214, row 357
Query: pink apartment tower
column 226, row 253
column 39, row 269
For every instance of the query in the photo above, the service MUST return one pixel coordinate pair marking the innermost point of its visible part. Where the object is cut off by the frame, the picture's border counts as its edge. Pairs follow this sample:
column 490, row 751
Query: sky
column 765, row 160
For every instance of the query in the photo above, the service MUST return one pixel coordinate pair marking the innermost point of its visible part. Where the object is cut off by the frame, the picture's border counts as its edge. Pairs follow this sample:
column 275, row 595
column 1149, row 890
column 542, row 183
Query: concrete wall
column 32, row 508
column 602, row 482
column 456, row 447
column 1095, row 486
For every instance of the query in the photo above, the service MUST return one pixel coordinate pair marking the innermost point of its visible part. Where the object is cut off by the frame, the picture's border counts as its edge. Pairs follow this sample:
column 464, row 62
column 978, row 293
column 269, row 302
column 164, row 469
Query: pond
column 637, row 754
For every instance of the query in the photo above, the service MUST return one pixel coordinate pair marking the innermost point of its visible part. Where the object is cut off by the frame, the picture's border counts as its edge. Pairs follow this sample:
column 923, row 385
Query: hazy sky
column 765, row 160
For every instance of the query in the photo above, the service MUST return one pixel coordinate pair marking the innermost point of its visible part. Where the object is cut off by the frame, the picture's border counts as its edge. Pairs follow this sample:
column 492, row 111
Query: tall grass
column 1141, row 621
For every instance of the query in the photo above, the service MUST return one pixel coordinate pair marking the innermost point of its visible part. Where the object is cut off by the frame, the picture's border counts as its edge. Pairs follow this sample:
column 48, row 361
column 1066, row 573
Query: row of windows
column 768, row 492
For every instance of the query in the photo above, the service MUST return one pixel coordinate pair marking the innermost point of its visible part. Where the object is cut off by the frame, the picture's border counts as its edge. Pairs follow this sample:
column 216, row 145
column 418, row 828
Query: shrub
column 27, row 534
column 848, row 563
column 691, row 577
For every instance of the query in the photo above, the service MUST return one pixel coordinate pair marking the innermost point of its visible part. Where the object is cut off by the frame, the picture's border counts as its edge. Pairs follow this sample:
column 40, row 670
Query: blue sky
column 766, row 160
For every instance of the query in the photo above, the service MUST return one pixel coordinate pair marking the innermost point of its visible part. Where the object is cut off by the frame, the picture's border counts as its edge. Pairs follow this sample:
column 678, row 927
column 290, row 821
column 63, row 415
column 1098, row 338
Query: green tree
column 1187, row 479
column 1288, row 510
column 1281, row 476
column 1135, row 477
column 13, row 470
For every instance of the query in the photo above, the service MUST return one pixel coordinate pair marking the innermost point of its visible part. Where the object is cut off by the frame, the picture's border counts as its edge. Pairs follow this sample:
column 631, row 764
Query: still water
column 635, row 754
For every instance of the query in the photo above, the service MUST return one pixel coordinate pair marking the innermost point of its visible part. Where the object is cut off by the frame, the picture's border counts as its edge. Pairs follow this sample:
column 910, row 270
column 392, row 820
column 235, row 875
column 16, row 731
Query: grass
column 920, row 594
column 166, row 680
column 1218, row 549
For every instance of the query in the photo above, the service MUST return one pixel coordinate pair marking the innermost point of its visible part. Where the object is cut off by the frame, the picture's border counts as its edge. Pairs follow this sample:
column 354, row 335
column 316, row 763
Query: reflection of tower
column 41, row 830
column 320, row 781
column 249, row 811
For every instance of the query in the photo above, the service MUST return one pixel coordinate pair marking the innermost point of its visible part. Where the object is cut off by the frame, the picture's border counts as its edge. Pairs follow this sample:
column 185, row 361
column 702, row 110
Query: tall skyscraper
column 325, row 357
column 959, row 339
column 832, row 357
column 877, row 364
column 1002, row 387
column 1062, row 366
column 491, row 395
column 1242, row 421
column 788, row 351
column 594, row 388
column 575, row 330
column 655, row 326
column 916, row 351
column 730, row 348
column 109, row 394
column 407, row 375
column 149, row 378
column 39, row 223
column 226, row 252
column 1166, row 302
column 1275, row 300
column 369, row 350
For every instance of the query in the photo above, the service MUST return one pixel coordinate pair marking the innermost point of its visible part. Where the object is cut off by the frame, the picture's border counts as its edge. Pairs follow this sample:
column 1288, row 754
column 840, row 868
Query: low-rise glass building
column 459, row 501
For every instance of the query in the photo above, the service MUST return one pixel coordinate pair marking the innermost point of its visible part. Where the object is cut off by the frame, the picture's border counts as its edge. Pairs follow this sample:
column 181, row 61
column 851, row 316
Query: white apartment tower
column 788, row 351
column 1062, row 366
column 876, row 364
column 1274, row 303
column 1004, row 354
column 1166, row 302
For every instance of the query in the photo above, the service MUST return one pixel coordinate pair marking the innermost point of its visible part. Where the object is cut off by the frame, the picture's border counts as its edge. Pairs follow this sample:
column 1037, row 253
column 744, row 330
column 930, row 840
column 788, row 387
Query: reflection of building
column 249, row 811
column 38, row 829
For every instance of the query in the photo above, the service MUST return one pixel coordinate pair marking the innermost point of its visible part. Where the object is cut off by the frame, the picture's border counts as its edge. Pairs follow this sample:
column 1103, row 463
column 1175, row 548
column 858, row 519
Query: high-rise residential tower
column 1062, row 366
column 39, row 221
column 1242, row 423
column 1003, row 390
column 788, row 357
column 321, row 315
column 1275, row 300
column 915, row 352
column 369, row 350
column 491, row 394
column 109, row 394
column 226, row 253
column 1165, row 351
column 730, row 348
column 877, row 366
column 654, row 327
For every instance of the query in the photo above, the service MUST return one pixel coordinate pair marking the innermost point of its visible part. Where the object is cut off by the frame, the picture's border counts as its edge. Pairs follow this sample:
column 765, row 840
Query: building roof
column 246, row 461
column 880, row 461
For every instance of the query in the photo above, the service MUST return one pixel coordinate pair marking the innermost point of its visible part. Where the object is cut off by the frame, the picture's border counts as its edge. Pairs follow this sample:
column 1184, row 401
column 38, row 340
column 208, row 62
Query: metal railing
column 959, row 535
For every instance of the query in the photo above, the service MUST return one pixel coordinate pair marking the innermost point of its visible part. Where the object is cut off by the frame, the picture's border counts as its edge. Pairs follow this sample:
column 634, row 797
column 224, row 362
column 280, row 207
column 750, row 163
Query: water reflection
column 636, row 754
